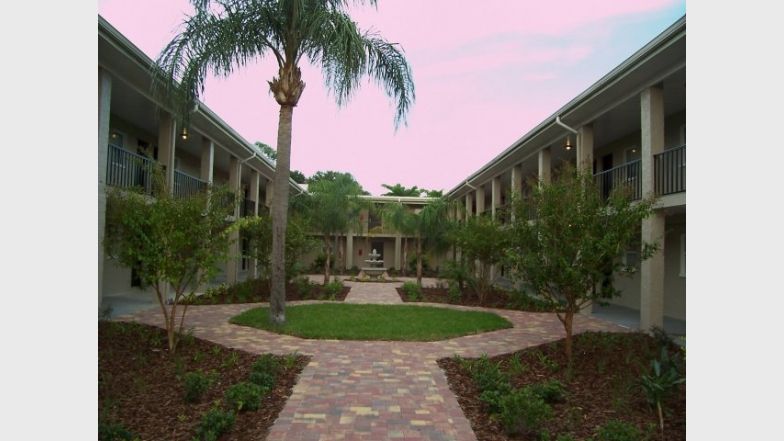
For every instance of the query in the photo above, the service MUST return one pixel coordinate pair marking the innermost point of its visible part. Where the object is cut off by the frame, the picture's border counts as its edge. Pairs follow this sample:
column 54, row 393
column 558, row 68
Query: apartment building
column 629, row 128
column 135, row 129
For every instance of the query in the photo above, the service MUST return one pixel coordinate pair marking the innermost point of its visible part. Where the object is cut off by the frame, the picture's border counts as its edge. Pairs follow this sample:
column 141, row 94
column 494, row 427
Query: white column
column 232, row 265
column 207, row 160
column 495, row 196
column 585, row 148
column 545, row 168
column 254, row 196
column 349, row 250
column 480, row 200
column 469, row 202
column 398, row 241
column 516, row 186
column 652, row 270
column 167, row 136
column 104, row 111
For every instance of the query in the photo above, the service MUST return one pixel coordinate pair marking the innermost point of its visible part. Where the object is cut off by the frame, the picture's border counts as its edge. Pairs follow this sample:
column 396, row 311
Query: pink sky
column 485, row 74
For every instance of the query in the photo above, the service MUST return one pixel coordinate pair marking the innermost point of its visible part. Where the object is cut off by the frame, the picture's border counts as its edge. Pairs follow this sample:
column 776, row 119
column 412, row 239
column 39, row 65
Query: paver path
column 373, row 390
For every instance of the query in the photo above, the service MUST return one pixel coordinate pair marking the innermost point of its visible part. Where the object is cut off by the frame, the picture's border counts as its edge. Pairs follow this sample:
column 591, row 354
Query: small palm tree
column 400, row 190
column 224, row 35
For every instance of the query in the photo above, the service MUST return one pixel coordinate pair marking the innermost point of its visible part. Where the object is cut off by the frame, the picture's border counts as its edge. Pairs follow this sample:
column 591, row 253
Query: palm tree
column 400, row 190
column 224, row 35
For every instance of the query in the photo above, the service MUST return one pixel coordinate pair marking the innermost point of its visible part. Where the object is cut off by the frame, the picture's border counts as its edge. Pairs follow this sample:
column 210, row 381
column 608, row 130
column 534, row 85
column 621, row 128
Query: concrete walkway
column 373, row 390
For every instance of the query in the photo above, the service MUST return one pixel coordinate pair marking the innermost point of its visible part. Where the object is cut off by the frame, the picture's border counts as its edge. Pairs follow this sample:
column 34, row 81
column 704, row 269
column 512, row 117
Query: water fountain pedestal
column 375, row 269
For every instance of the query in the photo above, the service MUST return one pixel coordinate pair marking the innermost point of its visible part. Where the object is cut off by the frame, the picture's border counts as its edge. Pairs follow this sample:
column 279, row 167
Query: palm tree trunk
column 404, row 264
column 280, row 205
column 419, row 260
column 327, row 254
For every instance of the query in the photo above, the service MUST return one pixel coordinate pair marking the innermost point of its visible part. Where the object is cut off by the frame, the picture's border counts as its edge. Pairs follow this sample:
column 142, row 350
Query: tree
column 400, row 190
column 429, row 225
column 224, row 35
column 272, row 154
column 170, row 241
column 574, row 242
column 298, row 177
column 331, row 175
column 334, row 209
column 434, row 193
column 481, row 239
column 258, row 230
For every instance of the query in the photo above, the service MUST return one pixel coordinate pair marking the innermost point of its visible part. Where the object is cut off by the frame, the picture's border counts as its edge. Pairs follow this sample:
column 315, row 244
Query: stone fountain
column 375, row 268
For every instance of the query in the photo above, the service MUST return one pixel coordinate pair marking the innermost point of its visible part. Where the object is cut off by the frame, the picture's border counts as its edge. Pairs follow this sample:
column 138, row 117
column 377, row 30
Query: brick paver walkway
column 377, row 390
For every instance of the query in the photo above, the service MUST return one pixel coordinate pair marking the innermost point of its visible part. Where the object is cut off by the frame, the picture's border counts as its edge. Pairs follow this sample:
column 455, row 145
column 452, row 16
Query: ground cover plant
column 375, row 322
column 258, row 290
column 145, row 392
column 493, row 298
column 532, row 395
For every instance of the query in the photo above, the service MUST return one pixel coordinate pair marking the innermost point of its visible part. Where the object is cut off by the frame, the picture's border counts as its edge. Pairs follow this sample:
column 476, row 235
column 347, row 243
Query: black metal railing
column 626, row 177
column 186, row 185
column 128, row 170
column 247, row 208
column 670, row 171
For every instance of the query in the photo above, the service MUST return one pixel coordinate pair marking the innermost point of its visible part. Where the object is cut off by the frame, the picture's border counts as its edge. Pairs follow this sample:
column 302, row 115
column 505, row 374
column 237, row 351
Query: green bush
column 214, row 423
column 521, row 300
column 551, row 391
column 457, row 272
column 412, row 290
column 244, row 396
column 412, row 262
column 108, row 431
column 617, row 430
column 264, row 371
column 488, row 376
column 196, row 383
column 304, row 287
column 332, row 289
column 565, row 437
column 453, row 293
column 523, row 412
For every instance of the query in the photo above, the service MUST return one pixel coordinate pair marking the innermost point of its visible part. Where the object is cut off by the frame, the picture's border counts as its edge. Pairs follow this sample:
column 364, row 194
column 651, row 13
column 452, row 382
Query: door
column 607, row 178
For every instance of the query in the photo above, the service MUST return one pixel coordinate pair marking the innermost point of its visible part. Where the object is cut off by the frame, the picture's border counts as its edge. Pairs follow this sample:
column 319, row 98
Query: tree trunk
column 404, row 264
column 419, row 260
column 280, row 205
column 567, row 322
column 327, row 254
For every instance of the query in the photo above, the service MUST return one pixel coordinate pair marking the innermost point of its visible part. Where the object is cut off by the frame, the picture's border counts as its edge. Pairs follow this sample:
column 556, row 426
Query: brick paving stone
column 373, row 390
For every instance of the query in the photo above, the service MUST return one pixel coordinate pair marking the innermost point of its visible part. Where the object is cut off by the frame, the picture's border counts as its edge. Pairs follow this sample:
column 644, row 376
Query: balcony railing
column 626, row 176
column 128, row 170
column 247, row 208
column 186, row 185
column 670, row 171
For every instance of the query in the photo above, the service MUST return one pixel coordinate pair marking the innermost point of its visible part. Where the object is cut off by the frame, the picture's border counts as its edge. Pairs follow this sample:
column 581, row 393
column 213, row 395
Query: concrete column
column 104, row 107
column 167, row 136
column 516, row 186
column 233, row 264
column 349, row 250
column 268, row 194
column 398, row 241
column 253, row 271
column 495, row 195
column 585, row 148
column 545, row 167
column 469, row 202
column 207, row 160
column 652, row 270
column 480, row 200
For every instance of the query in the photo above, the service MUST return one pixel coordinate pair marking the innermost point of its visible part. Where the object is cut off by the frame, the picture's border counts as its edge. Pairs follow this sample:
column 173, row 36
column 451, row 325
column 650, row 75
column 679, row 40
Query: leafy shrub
column 551, row 391
column 412, row 290
column 304, row 287
column 332, row 289
column 523, row 412
column 565, row 437
column 660, row 383
column 264, row 371
column 488, row 376
column 244, row 396
column 412, row 263
column 520, row 299
column 458, row 272
column 108, row 431
column 453, row 293
column 616, row 430
column 492, row 399
column 196, row 383
column 214, row 423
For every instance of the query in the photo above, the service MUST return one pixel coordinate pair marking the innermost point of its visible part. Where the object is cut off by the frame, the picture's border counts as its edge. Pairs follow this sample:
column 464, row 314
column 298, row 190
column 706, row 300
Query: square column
column 480, row 200
column 349, row 250
column 545, row 167
column 207, row 160
column 469, row 202
column 652, row 270
column 397, row 252
column 585, row 148
column 516, row 185
column 104, row 107
column 253, row 271
column 167, row 135
column 233, row 263
column 495, row 201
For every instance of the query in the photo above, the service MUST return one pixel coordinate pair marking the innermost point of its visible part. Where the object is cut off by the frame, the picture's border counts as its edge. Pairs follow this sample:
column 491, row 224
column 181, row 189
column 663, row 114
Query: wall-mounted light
column 568, row 144
column 114, row 135
column 184, row 134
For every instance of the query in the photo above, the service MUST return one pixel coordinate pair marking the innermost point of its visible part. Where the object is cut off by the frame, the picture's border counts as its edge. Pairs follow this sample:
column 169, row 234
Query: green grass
column 374, row 322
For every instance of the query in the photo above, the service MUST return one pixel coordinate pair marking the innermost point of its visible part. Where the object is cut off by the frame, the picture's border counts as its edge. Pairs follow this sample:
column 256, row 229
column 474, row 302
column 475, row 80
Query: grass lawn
column 374, row 322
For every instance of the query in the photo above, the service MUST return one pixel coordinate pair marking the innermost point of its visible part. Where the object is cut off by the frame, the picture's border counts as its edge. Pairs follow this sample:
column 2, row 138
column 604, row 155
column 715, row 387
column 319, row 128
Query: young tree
column 574, row 242
column 258, row 230
column 334, row 210
column 224, row 35
column 481, row 239
column 429, row 225
column 170, row 241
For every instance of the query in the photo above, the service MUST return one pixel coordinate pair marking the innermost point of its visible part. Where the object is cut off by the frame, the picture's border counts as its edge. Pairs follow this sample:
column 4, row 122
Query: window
column 683, row 255
column 631, row 261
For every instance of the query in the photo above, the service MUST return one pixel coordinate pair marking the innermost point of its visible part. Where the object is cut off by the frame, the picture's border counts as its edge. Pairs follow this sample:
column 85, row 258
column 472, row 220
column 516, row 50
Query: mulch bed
column 258, row 290
column 140, row 386
column 496, row 299
column 603, row 387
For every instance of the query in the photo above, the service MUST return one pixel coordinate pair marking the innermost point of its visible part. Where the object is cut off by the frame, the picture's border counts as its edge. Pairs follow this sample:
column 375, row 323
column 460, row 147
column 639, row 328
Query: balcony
column 626, row 177
column 248, row 208
column 125, row 169
column 670, row 171
column 186, row 185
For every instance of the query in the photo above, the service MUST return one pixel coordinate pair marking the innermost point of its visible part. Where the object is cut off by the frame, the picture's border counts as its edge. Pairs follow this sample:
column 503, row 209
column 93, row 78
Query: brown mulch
column 258, row 290
column 496, row 299
column 140, row 386
column 604, row 386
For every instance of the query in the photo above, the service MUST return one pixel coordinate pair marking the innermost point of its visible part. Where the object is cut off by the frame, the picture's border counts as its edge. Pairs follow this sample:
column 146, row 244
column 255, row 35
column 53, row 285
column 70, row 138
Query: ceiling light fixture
column 568, row 144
